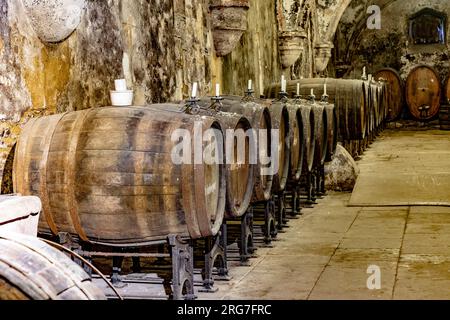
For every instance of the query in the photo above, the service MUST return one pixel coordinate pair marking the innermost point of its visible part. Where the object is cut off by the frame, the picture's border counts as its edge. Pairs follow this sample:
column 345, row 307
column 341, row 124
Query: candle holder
column 325, row 98
column 192, row 106
column 297, row 97
column 217, row 103
column 249, row 95
column 312, row 98
column 284, row 96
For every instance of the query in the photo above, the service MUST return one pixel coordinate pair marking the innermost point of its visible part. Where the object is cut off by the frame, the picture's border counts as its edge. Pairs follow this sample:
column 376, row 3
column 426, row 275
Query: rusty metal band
column 71, row 173
column 43, row 188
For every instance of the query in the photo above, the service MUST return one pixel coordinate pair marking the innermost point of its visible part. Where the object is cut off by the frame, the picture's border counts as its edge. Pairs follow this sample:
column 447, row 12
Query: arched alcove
column 428, row 26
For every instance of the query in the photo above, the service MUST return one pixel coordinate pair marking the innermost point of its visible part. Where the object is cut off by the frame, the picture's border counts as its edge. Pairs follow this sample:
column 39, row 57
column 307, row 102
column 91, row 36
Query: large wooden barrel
column 321, row 134
column 239, row 172
column 32, row 270
column 394, row 93
column 423, row 93
column 332, row 127
column 108, row 175
column 446, row 93
column 309, row 131
column 297, row 140
column 349, row 97
column 280, row 121
column 261, row 121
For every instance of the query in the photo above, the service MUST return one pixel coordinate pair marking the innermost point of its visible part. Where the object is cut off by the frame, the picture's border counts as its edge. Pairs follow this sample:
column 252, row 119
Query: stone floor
column 326, row 254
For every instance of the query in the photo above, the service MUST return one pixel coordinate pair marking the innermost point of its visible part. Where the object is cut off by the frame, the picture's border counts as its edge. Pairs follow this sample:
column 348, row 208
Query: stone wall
column 160, row 47
column 356, row 46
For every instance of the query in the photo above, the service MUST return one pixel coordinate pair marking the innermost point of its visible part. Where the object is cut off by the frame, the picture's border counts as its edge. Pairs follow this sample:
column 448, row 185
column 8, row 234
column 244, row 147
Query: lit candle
column 250, row 85
column 283, row 84
column 364, row 72
column 194, row 90
column 312, row 92
column 325, row 89
column 298, row 89
column 217, row 90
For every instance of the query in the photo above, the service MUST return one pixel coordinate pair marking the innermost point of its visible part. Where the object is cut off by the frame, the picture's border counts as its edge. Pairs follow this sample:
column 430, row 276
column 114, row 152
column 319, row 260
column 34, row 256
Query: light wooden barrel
column 349, row 97
column 260, row 120
column 107, row 175
column 239, row 176
column 395, row 98
column 423, row 93
column 32, row 270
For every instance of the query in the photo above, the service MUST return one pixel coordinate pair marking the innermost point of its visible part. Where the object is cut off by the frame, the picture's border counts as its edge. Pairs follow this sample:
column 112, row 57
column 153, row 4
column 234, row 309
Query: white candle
column 312, row 92
column 250, row 85
column 298, row 89
column 364, row 72
column 217, row 90
column 325, row 89
column 121, row 85
column 194, row 90
column 283, row 84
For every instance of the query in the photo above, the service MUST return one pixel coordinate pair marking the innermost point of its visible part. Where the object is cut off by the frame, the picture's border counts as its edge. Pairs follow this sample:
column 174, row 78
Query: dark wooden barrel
column 261, row 121
column 280, row 121
column 298, row 141
column 309, row 130
column 349, row 97
column 423, row 93
column 239, row 172
column 332, row 127
column 321, row 134
column 32, row 270
column 107, row 175
column 395, row 98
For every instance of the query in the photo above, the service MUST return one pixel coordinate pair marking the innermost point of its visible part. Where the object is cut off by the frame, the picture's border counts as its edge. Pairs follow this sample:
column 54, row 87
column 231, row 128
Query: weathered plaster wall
column 159, row 46
column 357, row 46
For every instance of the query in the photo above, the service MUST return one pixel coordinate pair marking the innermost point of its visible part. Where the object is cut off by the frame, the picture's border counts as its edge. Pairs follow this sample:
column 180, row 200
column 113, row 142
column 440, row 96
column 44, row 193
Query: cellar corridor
column 327, row 253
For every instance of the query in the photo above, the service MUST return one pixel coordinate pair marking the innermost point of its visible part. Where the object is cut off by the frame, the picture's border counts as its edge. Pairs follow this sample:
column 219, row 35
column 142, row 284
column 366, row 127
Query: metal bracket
column 215, row 252
column 182, row 269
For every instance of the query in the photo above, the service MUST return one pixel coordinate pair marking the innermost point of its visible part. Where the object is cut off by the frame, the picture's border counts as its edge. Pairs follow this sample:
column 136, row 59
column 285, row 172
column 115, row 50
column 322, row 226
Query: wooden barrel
column 239, row 172
column 261, row 121
column 108, row 175
column 309, row 130
column 446, row 94
column 321, row 134
column 349, row 97
column 280, row 121
column 332, row 127
column 423, row 93
column 32, row 270
column 394, row 93
column 297, row 140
